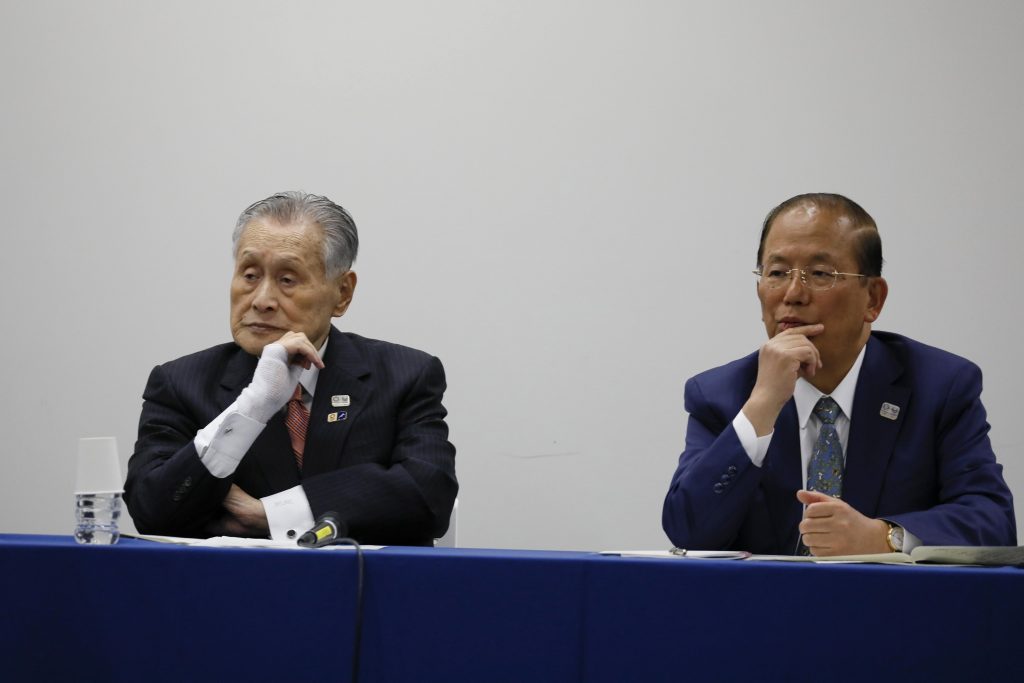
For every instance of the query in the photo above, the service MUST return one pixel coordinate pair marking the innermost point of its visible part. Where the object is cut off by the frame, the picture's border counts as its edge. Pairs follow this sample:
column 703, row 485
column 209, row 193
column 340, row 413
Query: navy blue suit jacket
column 387, row 468
column 931, row 470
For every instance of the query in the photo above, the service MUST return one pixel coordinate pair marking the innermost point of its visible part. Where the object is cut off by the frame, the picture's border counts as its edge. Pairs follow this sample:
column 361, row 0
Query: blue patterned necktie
column 825, row 469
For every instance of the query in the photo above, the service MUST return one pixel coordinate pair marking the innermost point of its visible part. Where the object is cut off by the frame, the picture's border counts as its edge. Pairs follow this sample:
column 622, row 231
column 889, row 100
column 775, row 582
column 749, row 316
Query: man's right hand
column 276, row 375
column 782, row 359
column 299, row 349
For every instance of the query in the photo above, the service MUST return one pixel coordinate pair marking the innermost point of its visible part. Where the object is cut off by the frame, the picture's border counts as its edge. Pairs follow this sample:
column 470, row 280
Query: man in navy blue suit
column 833, row 439
column 294, row 418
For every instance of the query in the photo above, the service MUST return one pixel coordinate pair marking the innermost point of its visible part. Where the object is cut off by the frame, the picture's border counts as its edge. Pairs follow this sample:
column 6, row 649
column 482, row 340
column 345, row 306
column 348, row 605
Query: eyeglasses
column 817, row 277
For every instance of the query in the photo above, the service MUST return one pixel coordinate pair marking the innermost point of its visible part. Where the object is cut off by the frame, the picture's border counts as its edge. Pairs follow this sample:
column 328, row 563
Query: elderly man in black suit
column 260, row 436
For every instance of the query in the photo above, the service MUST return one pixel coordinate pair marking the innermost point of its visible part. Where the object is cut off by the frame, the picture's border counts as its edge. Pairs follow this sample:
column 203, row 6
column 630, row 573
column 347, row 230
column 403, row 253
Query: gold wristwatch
column 895, row 537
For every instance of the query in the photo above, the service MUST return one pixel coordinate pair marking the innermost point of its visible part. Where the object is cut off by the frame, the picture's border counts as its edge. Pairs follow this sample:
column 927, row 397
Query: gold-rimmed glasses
column 819, row 277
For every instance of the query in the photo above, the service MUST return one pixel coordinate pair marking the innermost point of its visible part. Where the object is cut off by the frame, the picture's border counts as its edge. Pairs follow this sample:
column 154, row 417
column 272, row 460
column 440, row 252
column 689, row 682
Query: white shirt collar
column 309, row 376
column 806, row 395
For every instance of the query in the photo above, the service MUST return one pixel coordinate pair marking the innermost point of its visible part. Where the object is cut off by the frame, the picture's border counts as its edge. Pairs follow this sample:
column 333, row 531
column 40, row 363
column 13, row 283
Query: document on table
column 989, row 556
column 239, row 542
column 681, row 553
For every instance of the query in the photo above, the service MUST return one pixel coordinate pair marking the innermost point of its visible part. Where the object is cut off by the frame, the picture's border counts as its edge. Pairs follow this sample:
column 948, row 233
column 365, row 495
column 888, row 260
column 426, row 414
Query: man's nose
column 796, row 290
column 265, row 297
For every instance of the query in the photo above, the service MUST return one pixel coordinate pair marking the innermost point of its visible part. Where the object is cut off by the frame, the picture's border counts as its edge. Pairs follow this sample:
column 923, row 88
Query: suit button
column 725, row 478
column 187, row 483
column 176, row 497
column 732, row 469
column 719, row 487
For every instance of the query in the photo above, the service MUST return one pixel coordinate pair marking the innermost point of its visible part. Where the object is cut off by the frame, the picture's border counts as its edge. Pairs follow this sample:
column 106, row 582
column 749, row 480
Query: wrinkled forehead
column 268, row 233
column 267, row 238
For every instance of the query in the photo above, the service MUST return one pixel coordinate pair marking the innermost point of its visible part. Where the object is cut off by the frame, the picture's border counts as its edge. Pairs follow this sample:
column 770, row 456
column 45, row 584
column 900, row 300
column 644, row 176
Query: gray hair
column 341, row 240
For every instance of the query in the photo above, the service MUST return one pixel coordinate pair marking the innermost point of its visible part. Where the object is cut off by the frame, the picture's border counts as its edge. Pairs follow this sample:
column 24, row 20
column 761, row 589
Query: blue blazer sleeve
column 717, row 497
column 714, row 483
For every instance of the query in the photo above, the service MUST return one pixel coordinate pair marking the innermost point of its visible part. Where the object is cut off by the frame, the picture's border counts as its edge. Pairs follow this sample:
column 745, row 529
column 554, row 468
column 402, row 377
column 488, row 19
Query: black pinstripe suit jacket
column 387, row 468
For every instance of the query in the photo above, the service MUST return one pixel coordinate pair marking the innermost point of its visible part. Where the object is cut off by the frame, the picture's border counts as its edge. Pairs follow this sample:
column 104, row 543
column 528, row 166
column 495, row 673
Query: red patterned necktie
column 297, row 422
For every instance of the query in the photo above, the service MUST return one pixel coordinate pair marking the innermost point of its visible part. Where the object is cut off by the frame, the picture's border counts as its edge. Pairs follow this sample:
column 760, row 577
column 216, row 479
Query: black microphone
column 327, row 530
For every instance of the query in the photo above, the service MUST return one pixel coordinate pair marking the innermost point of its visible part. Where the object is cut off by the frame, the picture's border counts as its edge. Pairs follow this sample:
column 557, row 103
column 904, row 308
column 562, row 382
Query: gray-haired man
column 294, row 418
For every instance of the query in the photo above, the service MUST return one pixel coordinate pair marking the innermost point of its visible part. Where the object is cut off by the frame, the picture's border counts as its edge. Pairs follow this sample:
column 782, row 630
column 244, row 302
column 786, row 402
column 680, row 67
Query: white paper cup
column 99, row 470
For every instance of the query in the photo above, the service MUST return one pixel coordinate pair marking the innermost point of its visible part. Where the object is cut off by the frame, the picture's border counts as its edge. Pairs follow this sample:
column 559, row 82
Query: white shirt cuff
column 910, row 541
column 288, row 514
column 756, row 447
column 223, row 443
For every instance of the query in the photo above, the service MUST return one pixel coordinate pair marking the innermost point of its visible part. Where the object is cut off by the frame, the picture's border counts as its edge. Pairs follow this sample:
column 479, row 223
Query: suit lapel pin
column 340, row 400
column 889, row 411
column 337, row 416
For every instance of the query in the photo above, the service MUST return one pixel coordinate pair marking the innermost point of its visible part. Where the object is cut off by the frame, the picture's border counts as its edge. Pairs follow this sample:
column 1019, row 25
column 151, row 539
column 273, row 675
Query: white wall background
column 559, row 199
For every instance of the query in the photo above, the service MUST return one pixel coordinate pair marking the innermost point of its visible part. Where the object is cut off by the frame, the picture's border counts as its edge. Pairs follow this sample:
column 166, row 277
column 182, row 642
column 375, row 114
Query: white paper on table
column 682, row 554
column 239, row 542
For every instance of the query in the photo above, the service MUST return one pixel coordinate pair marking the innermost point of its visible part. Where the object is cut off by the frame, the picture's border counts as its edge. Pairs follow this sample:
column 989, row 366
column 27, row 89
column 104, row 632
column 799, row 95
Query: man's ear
column 346, row 283
column 878, row 290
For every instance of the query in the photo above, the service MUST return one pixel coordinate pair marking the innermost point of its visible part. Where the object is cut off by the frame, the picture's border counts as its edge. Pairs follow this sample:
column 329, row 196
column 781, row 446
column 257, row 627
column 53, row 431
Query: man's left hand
column 243, row 516
column 831, row 527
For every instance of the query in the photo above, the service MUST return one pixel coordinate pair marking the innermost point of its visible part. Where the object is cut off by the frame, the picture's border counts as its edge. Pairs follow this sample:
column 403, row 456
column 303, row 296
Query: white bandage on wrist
column 273, row 383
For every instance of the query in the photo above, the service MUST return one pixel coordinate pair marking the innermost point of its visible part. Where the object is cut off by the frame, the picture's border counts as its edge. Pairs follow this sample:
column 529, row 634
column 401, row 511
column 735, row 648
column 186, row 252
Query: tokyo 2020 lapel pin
column 889, row 411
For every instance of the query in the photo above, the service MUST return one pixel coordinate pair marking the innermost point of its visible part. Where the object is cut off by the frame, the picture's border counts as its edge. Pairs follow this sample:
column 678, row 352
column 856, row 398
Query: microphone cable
column 357, row 633
column 330, row 530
